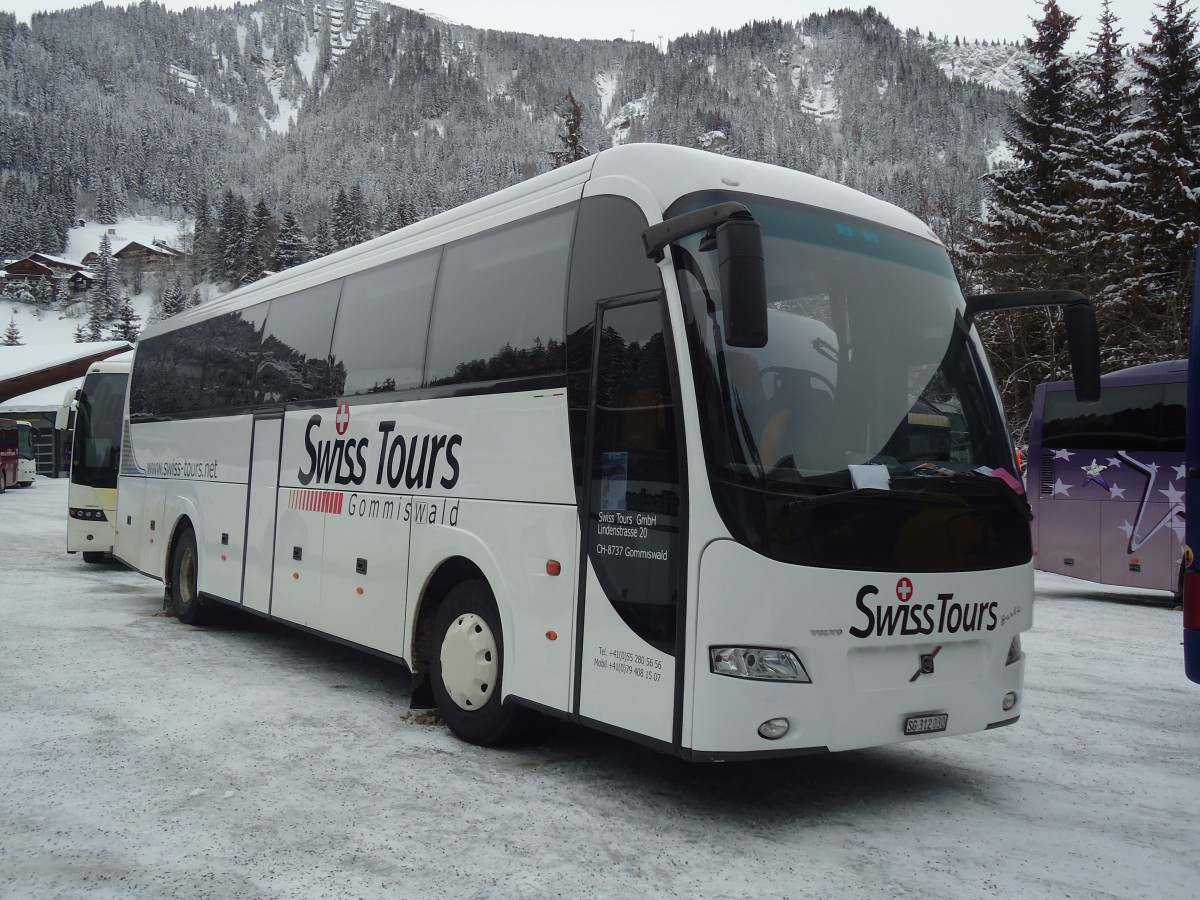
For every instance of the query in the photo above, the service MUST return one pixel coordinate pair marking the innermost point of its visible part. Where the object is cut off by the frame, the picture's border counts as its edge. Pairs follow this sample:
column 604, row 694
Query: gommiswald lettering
column 413, row 461
column 946, row 616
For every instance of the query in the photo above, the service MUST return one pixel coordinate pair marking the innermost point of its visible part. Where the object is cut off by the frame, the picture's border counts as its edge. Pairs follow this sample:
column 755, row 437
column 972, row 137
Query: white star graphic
column 1117, row 493
column 1063, row 454
column 1178, row 470
column 1152, row 468
column 1173, row 495
column 1114, row 462
column 1127, row 528
column 1060, row 488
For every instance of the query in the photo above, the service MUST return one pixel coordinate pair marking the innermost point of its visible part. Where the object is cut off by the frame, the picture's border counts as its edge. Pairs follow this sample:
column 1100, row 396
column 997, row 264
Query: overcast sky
column 656, row 20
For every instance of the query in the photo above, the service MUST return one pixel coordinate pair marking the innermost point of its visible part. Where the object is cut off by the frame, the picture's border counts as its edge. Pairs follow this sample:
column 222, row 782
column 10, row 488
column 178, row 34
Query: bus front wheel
column 186, row 604
column 466, row 661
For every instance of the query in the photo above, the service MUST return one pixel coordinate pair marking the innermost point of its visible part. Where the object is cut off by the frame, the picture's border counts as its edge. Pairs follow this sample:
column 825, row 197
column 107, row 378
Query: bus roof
column 1147, row 373
column 660, row 171
column 119, row 363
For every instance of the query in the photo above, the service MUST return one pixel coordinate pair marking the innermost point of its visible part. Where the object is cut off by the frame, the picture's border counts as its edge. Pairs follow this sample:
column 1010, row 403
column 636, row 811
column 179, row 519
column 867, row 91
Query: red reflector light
column 1191, row 600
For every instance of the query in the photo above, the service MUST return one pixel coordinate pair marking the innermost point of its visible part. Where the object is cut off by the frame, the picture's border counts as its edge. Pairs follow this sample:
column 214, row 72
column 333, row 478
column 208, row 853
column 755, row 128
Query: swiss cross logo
column 904, row 590
column 342, row 420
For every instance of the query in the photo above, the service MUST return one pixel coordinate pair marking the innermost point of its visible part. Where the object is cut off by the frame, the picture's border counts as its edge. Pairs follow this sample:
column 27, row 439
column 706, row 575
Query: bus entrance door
column 634, row 548
column 260, row 511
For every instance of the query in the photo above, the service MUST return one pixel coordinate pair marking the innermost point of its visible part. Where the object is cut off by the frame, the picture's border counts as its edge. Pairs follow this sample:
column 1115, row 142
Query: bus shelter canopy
column 30, row 368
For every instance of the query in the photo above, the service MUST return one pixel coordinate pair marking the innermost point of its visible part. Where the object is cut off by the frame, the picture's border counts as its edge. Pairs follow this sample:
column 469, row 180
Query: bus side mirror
column 743, row 282
column 730, row 229
column 1083, row 341
column 62, row 416
column 1083, row 338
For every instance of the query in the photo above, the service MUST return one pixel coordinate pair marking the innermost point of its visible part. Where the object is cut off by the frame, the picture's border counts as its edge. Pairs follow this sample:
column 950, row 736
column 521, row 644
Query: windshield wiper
column 917, row 484
column 917, row 488
column 864, row 495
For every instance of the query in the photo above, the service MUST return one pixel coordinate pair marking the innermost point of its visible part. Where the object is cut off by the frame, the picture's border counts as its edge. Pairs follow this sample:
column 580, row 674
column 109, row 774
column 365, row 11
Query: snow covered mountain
column 143, row 110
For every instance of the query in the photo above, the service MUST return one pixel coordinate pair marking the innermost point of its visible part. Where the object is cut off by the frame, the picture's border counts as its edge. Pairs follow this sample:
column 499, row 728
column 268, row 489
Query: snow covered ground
column 144, row 758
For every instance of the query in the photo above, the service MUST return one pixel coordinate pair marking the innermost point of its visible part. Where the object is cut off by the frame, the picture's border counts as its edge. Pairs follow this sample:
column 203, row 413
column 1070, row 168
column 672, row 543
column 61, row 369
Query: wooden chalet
column 156, row 256
column 37, row 267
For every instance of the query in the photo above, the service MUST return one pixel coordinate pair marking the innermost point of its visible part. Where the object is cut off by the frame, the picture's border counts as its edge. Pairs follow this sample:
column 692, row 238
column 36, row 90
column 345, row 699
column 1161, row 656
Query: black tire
column 95, row 557
column 186, row 604
column 2, row 483
column 466, row 660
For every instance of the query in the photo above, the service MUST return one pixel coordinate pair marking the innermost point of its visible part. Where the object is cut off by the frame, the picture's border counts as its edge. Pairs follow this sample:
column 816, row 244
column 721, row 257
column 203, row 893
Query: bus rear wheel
column 186, row 604
column 95, row 557
column 466, row 661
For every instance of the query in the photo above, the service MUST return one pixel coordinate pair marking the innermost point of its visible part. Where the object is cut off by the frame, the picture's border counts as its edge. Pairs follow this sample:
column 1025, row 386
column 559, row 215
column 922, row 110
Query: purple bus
column 1191, row 575
column 1106, row 479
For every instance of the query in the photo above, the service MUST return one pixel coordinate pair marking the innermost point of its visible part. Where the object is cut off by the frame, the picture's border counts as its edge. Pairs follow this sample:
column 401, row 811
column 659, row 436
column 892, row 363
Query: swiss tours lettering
column 946, row 616
column 413, row 461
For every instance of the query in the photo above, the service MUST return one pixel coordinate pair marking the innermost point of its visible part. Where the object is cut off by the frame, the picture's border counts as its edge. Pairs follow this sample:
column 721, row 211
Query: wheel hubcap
column 470, row 661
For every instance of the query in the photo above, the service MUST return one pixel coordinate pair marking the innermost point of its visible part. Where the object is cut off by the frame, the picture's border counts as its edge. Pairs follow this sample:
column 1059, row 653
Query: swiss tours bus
column 694, row 450
column 1106, row 479
column 99, row 406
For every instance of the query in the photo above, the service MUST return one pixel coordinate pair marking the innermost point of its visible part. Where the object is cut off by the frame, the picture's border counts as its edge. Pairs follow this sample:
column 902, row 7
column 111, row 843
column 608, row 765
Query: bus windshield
column 96, row 449
column 25, row 440
column 868, row 359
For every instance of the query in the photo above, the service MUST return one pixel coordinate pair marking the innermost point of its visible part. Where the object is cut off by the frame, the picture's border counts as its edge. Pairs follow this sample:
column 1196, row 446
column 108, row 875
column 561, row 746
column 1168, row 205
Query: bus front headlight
column 758, row 664
column 87, row 515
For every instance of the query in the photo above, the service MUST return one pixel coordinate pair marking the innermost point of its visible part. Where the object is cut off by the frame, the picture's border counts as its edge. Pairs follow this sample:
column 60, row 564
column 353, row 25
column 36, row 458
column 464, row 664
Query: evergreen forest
column 286, row 129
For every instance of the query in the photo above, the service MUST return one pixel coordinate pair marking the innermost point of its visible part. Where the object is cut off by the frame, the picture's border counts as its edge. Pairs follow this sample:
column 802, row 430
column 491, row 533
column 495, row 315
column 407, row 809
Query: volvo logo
column 926, row 666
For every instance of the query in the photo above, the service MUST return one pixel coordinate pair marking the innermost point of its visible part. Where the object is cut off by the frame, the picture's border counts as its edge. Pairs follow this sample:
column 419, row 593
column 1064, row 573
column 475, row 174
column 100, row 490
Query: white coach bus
column 99, row 406
column 643, row 443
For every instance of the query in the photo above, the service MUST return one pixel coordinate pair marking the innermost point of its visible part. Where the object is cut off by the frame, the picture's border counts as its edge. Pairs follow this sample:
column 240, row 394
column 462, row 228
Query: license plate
column 926, row 724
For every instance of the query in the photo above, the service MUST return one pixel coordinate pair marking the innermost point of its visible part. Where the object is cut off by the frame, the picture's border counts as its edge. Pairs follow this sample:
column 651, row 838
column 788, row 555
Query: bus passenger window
column 294, row 362
column 382, row 324
column 500, row 304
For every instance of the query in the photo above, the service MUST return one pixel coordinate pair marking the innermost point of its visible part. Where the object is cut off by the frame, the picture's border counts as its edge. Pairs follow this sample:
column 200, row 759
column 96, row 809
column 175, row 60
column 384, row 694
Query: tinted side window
column 636, row 504
column 1131, row 417
column 1174, row 421
column 228, row 357
column 608, row 260
column 152, row 392
column 187, row 377
column 205, row 367
column 294, row 363
column 499, row 308
column 382, row 323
